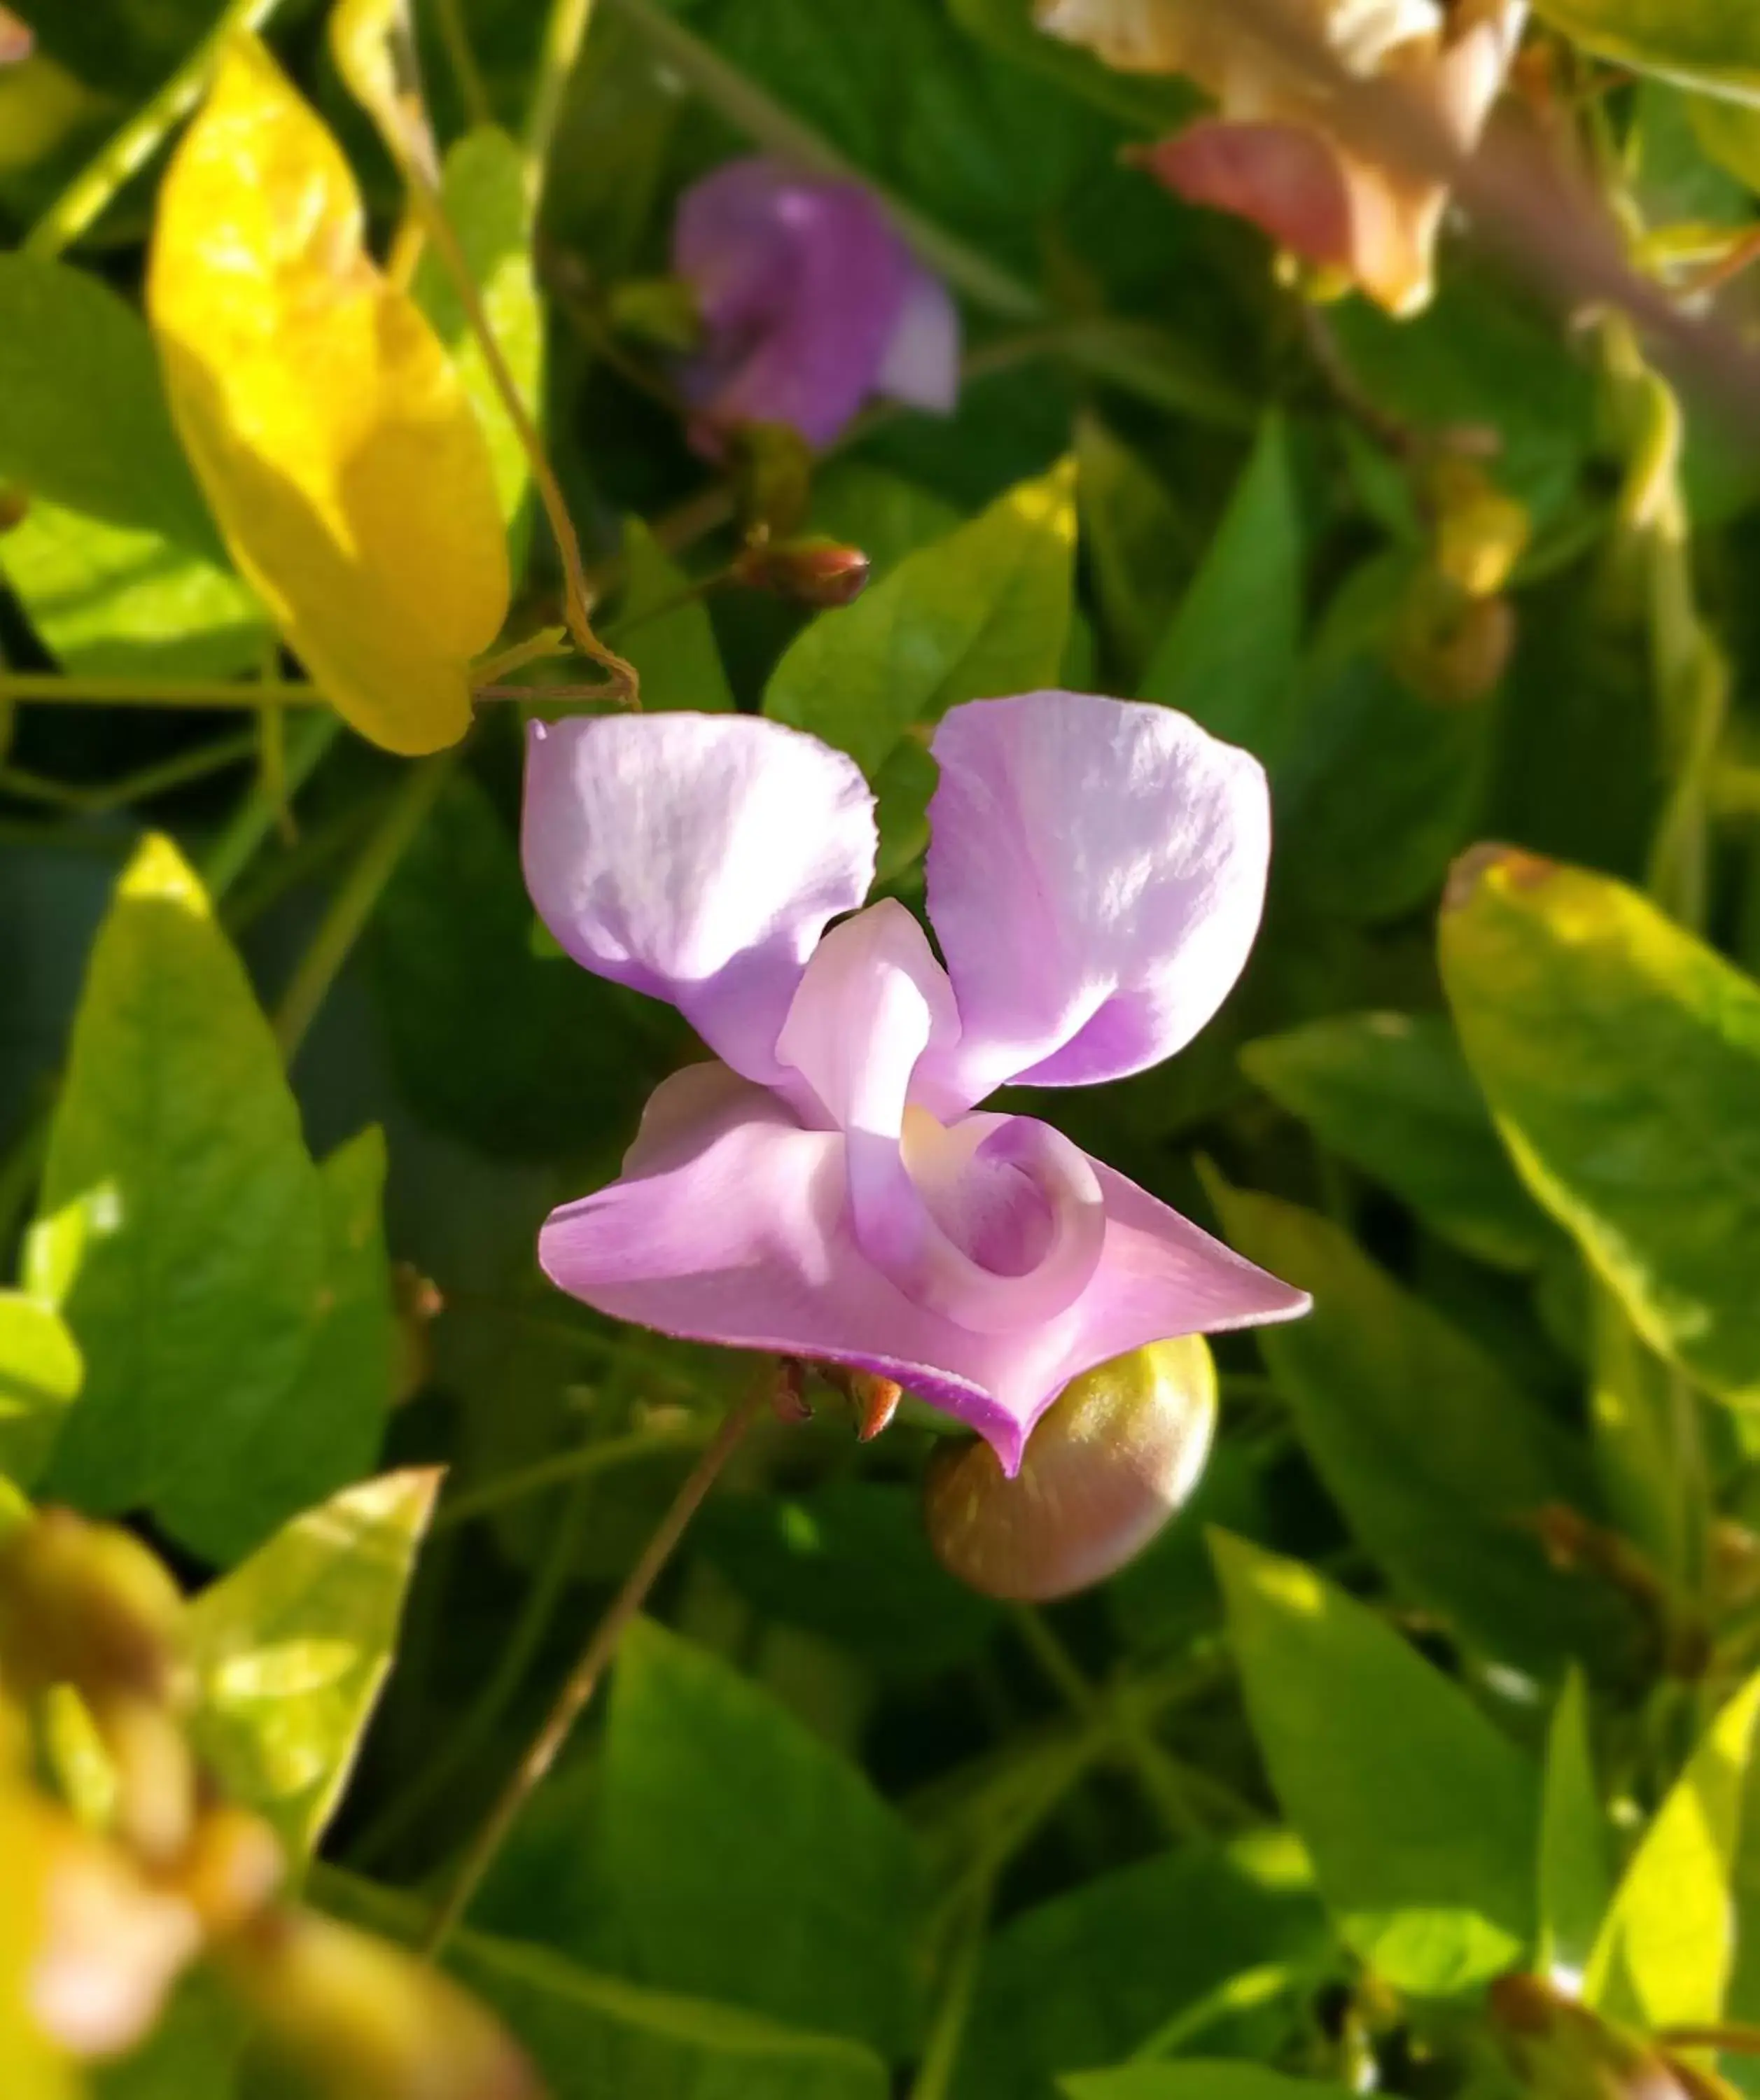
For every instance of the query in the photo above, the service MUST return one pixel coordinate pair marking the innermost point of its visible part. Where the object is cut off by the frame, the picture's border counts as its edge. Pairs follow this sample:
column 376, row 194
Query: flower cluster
column 829, row 1185
column 1273, row 153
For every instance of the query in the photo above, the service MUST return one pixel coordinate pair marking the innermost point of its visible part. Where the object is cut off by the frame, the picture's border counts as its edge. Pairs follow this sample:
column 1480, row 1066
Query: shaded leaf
column 325, row 422
column 984, row 613
column 593, row 2035
column 1391, row 1093
column 1441, row 1464
column 1196, row 2080
column 800, row 1906
column 666, row 632
column 1090, row 1975
column 1421, row 1818
column 1230, row 657
column 290, row 1651
column 1621, row 1058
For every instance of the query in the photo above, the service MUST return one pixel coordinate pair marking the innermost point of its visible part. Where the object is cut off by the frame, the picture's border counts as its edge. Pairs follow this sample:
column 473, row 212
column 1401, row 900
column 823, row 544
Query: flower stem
column 64, row 689
column 753, row 110
column 583, row 1679
column 560, row 1469
column 564, row 36
column 88, row 195
column 157, row 780
column 354, row 903
column 449, row 20
column 308, row 740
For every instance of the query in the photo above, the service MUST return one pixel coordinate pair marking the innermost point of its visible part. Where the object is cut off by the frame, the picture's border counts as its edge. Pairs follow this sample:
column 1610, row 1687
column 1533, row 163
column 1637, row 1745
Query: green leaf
column 983, row 613
column 886, row 516
column 541, row 1056
column 1091, row 1975
column 489, row 203
column 1711, row 44
column 117, row 562
column 1622, row 1059
column 1196, row 2080
column 1144, row 101
column 290, row 1651
column 593, row 2036
column 801, row 1904
column 1443, row 1494
column 1137, row 544
column 1671, row 1950
column 1576, row 1880
column 207, row 1263
column 192, row 2052
column 1391, row 1093
column 1730, row 133
column 666, row 632
column 40, row 1375
column 1421, row 1818
column 850, row 1561
column 1230, row 657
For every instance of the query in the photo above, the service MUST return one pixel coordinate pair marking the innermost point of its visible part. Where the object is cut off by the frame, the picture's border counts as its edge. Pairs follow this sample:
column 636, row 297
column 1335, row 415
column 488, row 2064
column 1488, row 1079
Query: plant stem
column 308, row 740
column 941, row 2057
column 354, row 903
column 150, row 780
column 449, row 20
column 72, row 689
column 88, row 195
column 583, row 1679
column 753, row 110
column 556, row 1471
column 564, row 33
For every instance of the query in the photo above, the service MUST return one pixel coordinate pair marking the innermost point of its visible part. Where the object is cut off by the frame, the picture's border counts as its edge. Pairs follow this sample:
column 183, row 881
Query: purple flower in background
column 810, row 303
column 824, row 1187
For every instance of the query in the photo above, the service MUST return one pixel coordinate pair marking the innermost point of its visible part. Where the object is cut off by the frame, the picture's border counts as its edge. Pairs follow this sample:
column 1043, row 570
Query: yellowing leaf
column 325, row 422
column 374, row 47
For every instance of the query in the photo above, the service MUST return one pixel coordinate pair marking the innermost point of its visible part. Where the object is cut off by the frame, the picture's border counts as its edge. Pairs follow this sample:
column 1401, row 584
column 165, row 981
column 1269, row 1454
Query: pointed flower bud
column 814, row 571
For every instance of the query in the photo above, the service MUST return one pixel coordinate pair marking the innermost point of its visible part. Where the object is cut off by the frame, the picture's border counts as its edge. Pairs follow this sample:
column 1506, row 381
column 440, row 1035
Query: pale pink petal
column 1287, row 178
column 735, row 1229
column 921, row 367
column 697, row 858
column 1096, row 876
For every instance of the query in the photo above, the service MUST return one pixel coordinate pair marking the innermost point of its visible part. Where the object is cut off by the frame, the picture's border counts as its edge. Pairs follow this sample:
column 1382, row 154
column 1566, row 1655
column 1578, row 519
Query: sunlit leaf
column 1711, row 44
column 1673, row 1944
column 1576, row 1878
column 1621, row 1058
column 291, row 1649
column 486, row 199
column 984, row 613
column 40, row 1373
column 194, row 1240
column 1421, row 1818
column 115, row 560
column 329, row 430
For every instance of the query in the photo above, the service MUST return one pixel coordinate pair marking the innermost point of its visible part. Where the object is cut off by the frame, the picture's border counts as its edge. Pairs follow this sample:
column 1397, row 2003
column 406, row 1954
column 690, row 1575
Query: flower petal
column 732, row 1226
column 921, row 367
column 696, row 857
column 1096, row 877
column 801, row 283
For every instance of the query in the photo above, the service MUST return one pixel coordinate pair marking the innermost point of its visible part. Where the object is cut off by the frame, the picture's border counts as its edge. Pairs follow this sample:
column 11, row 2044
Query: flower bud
column 1481, row 533
column 232, row 1870
column 86, row 1605
column 368, row 2022
column 815, row 572
column 1561, row 2051
column 1452, row 649
column 17, row 41
column 661, row 311
column 1108, row 1464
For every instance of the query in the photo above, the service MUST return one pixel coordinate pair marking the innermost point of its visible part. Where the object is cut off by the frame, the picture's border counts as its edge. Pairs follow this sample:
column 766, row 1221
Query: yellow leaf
column 373, row 44
column 325, row 422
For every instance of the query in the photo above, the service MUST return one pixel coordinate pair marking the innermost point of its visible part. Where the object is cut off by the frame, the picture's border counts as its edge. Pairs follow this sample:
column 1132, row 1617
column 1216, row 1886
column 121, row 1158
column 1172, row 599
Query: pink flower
column 810, row 303
column 828, row 1186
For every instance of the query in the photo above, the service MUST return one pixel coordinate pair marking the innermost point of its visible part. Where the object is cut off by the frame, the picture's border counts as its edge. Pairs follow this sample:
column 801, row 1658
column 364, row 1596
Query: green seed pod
column 1108, row 1463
